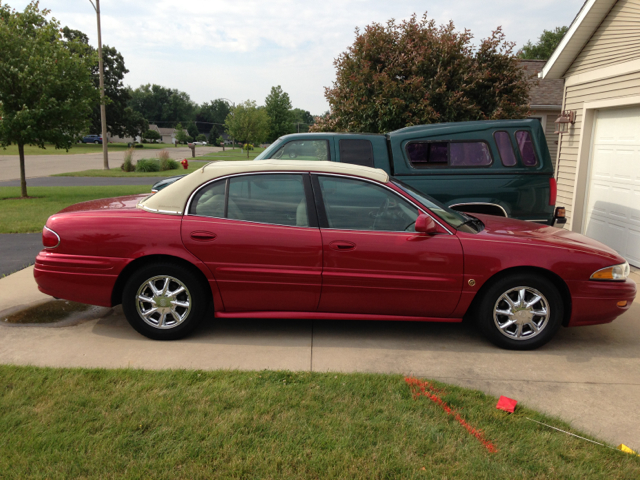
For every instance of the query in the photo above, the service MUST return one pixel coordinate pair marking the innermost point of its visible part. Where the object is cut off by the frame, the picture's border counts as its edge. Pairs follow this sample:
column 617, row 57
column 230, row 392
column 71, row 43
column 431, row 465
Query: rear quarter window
column 525, row 145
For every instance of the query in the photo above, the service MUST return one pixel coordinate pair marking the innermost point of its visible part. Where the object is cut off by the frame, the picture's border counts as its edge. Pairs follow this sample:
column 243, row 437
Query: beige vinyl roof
column 172, row 200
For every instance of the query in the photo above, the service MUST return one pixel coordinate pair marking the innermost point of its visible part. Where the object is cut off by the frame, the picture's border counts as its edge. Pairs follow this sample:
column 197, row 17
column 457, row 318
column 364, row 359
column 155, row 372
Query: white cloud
column 239, row 49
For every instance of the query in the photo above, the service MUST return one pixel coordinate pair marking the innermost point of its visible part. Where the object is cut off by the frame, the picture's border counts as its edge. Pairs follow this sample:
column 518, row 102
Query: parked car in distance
column 498, row 167
column 92, row 139
column 324, row 240
column 199, row 143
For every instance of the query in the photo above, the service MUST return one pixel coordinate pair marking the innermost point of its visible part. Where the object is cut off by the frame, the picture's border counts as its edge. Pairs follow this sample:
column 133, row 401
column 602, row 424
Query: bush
column 148, row 165
column 128, row 165
column 138, row 145
column 169, row 164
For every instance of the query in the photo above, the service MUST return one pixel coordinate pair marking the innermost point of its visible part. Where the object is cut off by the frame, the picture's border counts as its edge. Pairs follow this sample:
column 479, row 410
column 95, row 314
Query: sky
column 239, row 49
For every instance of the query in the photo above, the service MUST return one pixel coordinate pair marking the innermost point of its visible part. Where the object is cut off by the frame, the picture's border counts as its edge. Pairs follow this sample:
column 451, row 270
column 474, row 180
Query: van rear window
column 527, row 152
column 454, row 154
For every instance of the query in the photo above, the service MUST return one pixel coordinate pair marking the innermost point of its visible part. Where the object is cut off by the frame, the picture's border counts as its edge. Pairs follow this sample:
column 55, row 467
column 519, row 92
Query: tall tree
column 414, row 72
column 247, row 123
column 122, row 120
column 46, row 90
column 212, row 116
column 165, row 106
column 302, row 120
column 278, row 107
column 547, row 43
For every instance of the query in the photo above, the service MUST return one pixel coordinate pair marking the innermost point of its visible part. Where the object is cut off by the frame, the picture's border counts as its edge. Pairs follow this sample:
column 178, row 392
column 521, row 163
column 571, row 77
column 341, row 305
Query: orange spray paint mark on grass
column 420, row 388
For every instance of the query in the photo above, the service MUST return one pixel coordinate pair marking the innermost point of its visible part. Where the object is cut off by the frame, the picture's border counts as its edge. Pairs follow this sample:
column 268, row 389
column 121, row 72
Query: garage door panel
column 613, row 193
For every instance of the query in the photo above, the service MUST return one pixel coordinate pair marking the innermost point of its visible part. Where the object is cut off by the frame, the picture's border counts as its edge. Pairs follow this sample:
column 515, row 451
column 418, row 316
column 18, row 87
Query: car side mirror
column 425, row 224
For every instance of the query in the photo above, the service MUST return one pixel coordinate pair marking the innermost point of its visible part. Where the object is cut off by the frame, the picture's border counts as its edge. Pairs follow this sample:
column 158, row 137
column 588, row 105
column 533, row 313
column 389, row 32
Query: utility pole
column 103, row 111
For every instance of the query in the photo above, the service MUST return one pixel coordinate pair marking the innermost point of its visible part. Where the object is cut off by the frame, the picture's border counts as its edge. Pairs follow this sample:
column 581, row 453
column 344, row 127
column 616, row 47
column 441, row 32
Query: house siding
column 617, row 40
column 575, row 97
column 552, row 138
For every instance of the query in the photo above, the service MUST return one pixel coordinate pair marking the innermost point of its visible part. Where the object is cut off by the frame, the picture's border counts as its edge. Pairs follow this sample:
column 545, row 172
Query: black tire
column 186, row 319
column 96, row 142
column 502, row 329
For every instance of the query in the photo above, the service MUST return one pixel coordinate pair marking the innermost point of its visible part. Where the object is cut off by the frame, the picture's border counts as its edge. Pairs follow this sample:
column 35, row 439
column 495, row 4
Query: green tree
column 547, row 43
column 193, row 130
column 247, row 123
column 46, row 90
column 165, row 106
column 201, row 137
column 122, row 120
column 152, row 135
column 413, row 73
column 213, row 115
column 302, row 120
column 278, row 107
column 181, row 135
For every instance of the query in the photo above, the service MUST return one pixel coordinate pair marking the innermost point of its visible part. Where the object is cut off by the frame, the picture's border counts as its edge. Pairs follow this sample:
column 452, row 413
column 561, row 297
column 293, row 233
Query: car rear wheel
column 520, row 312
column 97, row 142
column 164, row 301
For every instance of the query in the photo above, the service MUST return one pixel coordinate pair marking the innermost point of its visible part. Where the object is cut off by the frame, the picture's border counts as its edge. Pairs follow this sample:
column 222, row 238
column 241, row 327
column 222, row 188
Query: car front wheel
column 164, row 301
column 96, row 142
column 520, row 312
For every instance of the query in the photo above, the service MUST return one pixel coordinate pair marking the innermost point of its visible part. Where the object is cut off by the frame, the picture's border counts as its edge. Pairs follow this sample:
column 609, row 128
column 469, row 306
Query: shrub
column 170, row 164
column 138, row 145
column 148, row 165
column 128, row 165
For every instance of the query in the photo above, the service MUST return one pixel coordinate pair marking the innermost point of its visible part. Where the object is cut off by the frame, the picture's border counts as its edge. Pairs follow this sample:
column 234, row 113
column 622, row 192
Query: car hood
column 116, row 203
column 531, row 232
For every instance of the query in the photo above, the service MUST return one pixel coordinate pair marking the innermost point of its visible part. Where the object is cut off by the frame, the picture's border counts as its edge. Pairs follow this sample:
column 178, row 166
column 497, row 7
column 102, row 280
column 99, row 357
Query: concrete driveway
column 589, row 376
column 43, row 165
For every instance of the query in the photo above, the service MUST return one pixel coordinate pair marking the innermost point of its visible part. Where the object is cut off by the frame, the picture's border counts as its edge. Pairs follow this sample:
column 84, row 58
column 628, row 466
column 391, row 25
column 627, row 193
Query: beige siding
column 575, row 97
column 552, row 138
column 617, row 40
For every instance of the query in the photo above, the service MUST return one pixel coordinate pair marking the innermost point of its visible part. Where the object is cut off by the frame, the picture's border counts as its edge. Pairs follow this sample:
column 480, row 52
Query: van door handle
column 342, row 245
column 203, row 236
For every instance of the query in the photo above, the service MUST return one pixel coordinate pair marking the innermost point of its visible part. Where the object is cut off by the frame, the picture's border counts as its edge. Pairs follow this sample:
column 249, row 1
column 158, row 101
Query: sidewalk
column 589, row 376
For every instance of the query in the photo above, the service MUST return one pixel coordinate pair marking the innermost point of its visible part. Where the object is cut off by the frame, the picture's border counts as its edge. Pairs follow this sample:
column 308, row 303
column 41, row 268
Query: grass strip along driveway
column 27, row 215
column 71, row 423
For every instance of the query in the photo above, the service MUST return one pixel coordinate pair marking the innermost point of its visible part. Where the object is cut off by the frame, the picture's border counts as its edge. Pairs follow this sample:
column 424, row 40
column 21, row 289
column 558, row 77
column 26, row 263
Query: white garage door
column 613, row 201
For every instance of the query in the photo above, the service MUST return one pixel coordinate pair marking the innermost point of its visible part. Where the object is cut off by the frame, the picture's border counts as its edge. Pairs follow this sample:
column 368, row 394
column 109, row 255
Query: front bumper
column 596, row 302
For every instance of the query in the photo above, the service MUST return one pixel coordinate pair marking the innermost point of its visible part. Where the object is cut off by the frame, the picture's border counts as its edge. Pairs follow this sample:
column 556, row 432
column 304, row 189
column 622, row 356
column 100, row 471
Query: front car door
column 258, row 235
column 374, row 261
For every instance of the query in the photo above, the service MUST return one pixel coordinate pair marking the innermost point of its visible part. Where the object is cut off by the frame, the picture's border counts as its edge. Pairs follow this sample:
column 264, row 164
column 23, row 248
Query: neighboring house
column 168, row 134
column 117, row 139
column 598, row 168
column 545, row 102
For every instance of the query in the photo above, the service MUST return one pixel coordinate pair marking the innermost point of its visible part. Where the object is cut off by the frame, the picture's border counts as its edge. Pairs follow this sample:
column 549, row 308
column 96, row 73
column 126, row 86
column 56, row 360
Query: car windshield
column 457, row 220
column 269, row 150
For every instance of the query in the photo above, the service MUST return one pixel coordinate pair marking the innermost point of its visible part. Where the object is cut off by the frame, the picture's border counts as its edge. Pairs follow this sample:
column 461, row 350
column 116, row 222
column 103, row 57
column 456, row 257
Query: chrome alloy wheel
column 521, row 313
column 163, row 302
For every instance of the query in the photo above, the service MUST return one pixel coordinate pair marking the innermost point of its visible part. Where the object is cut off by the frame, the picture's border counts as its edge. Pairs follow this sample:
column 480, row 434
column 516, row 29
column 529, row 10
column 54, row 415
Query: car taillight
column 553, row 188
column 50, row 239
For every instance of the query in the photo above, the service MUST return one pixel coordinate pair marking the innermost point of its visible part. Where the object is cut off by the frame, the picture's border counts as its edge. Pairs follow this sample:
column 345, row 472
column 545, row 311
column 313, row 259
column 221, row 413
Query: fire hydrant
column 185, row 163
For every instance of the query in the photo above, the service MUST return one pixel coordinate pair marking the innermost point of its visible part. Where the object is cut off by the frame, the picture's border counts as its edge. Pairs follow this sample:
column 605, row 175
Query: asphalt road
column 18, row 250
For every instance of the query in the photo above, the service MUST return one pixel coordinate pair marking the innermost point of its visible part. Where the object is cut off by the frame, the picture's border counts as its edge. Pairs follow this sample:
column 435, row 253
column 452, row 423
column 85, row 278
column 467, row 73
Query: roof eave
column 589, row 18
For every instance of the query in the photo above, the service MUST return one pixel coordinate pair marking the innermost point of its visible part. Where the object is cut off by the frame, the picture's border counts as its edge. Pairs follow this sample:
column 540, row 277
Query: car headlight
column 615, row 272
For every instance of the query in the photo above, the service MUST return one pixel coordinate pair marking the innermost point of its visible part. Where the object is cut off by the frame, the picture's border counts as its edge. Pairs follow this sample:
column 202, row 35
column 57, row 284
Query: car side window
column 356, row 151
column 352, row 204
column 525, row 144
column 454, row 154
column 505, row 148
column 210, row 200
column 304, row 150
column 277, row 199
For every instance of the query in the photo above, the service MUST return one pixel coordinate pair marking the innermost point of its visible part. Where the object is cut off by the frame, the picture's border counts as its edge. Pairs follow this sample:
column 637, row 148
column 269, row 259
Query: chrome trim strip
column 58, row 236
column 480, row 203
column 188, row 208
column 539, row 220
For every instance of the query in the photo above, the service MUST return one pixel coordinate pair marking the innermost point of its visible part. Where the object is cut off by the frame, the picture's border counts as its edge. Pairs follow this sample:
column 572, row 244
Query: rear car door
column 374, row 261
column 258, row 235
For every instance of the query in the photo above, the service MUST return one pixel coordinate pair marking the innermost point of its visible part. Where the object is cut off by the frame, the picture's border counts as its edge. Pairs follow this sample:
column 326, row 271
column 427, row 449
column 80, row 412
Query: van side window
column 304, row 150
column 454, row 154
column 358, row 152
column 505, row 149
column 526, row 148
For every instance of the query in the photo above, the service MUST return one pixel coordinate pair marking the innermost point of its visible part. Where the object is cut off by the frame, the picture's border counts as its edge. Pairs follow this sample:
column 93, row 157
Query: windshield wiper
column 469, row 220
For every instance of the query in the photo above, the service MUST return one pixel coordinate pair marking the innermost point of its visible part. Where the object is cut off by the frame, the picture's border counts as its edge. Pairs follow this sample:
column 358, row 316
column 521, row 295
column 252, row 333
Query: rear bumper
column 596, row 302
column 78, row 278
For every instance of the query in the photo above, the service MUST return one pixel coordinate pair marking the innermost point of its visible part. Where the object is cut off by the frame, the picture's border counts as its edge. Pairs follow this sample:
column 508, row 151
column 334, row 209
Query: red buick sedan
column 324, row 240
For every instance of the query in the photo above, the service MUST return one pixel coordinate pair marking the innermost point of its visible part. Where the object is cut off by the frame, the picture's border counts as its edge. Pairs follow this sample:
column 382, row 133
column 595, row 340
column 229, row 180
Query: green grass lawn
column 194, row 164
column 230, row 154
column 75, row 423
column 30, row 214
column 79, row 148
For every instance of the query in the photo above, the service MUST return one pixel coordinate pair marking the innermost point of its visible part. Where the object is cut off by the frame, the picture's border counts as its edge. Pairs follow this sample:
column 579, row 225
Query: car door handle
column 203, row 236
column 342, row 245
